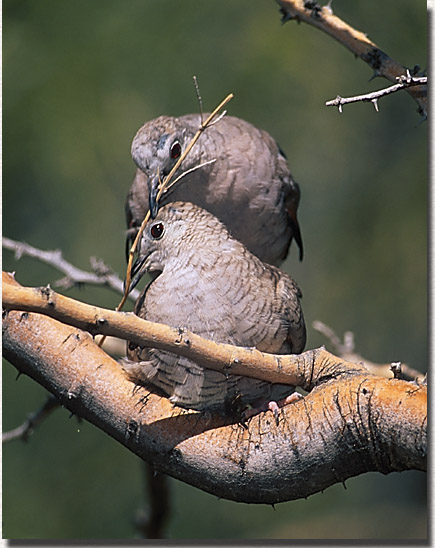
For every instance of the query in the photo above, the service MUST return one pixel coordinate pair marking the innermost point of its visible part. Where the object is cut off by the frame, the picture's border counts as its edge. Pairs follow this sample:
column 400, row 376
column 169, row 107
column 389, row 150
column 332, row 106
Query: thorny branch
column 349, row 423
column 323, row 18
column 374, row 96
column 101, row 275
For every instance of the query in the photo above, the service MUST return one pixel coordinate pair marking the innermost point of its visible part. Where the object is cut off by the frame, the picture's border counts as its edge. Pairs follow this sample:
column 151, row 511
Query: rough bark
column 350, row 422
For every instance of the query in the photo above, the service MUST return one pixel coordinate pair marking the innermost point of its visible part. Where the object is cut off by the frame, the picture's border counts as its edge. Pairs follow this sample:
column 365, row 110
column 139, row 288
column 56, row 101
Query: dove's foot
column 273, row 406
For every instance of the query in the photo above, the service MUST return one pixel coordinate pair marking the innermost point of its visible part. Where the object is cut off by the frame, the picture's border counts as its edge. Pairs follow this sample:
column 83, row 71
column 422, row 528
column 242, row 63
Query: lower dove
column 205, row 281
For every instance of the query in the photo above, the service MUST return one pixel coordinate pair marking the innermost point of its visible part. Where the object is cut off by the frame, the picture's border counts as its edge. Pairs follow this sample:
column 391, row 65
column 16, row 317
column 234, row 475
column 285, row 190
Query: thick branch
column 357, row 42
column 341, row 429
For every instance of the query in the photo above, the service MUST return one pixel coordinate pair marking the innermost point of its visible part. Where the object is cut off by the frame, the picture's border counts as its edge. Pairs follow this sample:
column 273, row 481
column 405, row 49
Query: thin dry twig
column 346, row 349
column 102, row 274
column 192, row 169
column 162, row 186
column 198, row 96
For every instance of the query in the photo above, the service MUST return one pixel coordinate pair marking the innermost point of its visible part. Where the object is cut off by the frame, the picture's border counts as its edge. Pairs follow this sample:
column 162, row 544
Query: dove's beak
column 153, row 185
column 137, row 271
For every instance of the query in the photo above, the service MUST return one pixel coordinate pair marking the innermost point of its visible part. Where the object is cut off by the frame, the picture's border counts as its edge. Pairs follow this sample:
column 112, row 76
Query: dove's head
column 181, row 234
column 159, row 144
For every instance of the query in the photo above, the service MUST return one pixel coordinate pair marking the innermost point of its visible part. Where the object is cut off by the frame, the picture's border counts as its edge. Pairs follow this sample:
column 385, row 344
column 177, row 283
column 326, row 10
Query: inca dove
column 248, row 187
column 205, row 281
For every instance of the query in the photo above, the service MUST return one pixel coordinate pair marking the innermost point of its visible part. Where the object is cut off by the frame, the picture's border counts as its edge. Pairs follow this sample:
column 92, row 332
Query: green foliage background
column 79, row 78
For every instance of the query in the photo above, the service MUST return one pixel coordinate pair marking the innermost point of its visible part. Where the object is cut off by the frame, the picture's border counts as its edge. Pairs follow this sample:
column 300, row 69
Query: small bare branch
column 374, row 96
column 346, row 349
column 33, row 420
column 102, row 274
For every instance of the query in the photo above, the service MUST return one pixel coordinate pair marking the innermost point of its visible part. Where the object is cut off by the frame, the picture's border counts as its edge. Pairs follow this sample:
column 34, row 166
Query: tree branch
column 287, row 369
column 374, row 96
column 357, row 42
column 33, row 420
column 102, row 274
column 346, row 349
column 350, row 423
column 151, row 522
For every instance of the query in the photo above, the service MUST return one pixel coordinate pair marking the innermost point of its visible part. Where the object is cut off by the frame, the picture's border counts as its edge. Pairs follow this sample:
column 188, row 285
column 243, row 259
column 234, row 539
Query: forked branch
column 351, row 421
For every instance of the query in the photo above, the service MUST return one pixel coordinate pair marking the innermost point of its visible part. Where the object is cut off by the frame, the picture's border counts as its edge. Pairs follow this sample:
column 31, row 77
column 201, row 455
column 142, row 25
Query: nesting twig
column 163, row 185
column 198, row 96
column 194, row 168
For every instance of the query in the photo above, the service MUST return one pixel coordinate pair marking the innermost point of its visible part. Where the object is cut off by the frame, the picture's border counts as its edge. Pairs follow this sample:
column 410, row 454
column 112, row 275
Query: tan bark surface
column 351, row 421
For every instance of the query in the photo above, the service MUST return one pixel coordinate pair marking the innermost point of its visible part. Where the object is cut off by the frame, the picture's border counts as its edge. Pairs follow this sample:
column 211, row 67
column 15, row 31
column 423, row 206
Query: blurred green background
column 79, row 78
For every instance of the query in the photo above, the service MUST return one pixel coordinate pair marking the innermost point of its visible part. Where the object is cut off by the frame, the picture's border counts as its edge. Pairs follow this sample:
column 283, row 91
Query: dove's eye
column 175, row 150
column 157, row 231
